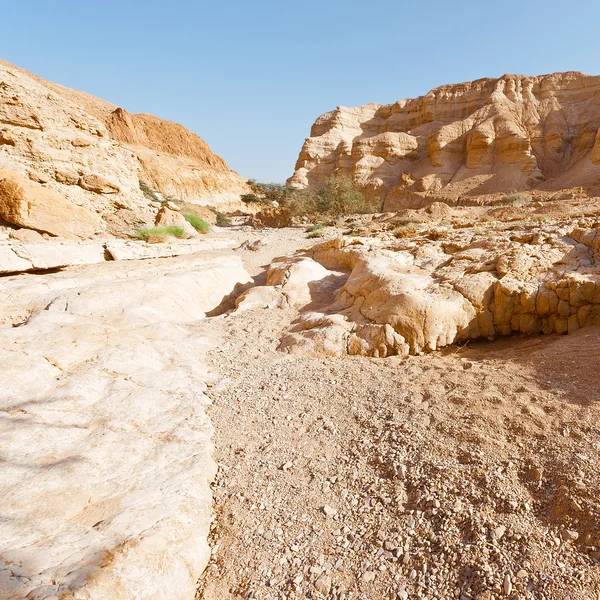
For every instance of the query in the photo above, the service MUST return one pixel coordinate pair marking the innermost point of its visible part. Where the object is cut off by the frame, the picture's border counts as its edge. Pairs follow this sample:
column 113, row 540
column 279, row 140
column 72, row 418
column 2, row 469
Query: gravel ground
column 470, row 474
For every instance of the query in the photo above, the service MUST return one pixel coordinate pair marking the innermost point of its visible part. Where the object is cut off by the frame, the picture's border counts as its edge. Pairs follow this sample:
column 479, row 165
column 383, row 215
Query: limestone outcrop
column 104, row 489
column 19, row 256
column 436, row 288
column 477, row 138
column 94, row 154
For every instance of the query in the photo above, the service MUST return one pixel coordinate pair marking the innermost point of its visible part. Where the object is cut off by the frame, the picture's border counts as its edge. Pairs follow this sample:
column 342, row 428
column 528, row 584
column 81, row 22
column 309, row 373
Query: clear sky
column 250, row 77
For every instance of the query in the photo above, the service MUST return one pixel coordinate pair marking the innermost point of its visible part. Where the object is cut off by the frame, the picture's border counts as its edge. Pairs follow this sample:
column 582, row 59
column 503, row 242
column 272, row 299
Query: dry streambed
column 466, row 473
column 469, row 473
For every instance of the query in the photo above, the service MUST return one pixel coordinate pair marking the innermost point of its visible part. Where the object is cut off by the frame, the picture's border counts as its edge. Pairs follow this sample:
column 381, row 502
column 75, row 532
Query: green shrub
column 314, row 228
column 337, row 197
column 266, row 192
column 145, row 232
column 148, row 192
column 197, row 223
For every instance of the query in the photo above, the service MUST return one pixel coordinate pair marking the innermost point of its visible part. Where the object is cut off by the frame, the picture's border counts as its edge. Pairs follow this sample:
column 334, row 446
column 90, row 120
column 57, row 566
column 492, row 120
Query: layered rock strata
column 422, row 294
column 93, row 155
column 482, row 137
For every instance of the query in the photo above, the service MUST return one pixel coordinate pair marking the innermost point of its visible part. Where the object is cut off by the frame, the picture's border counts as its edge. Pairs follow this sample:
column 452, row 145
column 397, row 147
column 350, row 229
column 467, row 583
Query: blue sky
column 251, row 77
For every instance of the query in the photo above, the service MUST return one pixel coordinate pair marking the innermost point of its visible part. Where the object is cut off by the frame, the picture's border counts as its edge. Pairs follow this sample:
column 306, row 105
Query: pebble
column 323, row 584
column 329, row 510
column 569, row 535
column 507, row 585
column 368, row 576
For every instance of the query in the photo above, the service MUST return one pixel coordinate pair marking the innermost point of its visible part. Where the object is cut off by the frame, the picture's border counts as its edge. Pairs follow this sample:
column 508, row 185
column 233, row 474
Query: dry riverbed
column 470, row 473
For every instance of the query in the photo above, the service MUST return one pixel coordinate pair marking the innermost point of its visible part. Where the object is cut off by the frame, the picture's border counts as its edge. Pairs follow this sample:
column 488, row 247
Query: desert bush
column 406, row 230
column 222, row 219
column 148, row 192
column 145, row 232
column 197, row 223
column 314, row 228
column 337, row 197
column 515, row 198
column 266, row 192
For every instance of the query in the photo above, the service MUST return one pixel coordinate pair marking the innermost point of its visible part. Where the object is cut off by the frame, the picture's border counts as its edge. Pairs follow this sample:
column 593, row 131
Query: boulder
column 98, row 184
column 66, row 176
column 273, row 216
column 29, row 236
column 167, row 217
column 28, row 204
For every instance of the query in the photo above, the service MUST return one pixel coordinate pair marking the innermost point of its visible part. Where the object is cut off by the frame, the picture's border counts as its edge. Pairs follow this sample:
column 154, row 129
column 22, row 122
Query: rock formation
column 94, row 155
column 104, row 490
column 441, row 283
column 477, row 138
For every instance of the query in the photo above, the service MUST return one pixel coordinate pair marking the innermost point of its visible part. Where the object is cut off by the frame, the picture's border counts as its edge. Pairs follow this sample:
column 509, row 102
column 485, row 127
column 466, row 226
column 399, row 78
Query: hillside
column 94, row 154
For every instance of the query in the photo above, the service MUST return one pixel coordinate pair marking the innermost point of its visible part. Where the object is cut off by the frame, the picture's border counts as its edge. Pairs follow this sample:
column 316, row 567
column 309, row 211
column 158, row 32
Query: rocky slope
column 477, row 138
column 94, row 154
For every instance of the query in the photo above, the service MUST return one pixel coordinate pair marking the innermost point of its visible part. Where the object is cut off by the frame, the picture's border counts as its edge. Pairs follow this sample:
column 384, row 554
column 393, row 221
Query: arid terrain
column 386, row 405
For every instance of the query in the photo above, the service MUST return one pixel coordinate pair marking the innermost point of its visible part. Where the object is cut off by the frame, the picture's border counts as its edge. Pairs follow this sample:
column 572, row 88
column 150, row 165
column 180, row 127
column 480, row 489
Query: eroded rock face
column 104, row 489
column 175, row 161
column 481, row 137
column 29, row 204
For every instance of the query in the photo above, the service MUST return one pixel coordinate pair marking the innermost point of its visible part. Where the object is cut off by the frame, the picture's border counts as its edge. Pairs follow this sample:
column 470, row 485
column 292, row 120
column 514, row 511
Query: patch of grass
column 197, row 223
column 315, row 228
column 145, row 232
column 148, row 192
column 315, row 234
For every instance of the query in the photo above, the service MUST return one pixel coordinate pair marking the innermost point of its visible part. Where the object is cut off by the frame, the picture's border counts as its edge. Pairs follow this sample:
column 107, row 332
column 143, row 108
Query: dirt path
column 468, row 474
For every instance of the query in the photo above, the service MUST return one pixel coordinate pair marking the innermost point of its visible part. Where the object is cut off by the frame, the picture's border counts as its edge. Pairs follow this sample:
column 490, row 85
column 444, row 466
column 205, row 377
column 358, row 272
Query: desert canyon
column 395, row 404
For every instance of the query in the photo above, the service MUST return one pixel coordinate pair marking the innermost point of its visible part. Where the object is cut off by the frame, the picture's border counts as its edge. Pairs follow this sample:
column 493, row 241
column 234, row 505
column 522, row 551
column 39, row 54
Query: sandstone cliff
column 93, row 154
column 476, row 138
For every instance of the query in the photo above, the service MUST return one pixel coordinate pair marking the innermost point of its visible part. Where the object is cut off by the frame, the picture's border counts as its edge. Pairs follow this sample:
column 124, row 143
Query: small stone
column 368, row 576
column 522, row 574
column 569, row 535
column 287, row 466
column 507, row 585
column 329, row 510
column 499, row 532
column 534, row 473
column 323, row 584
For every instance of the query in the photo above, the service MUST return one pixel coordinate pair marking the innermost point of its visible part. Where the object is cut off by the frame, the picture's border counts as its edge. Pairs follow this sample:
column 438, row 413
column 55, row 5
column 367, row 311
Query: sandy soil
column 470, row 473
